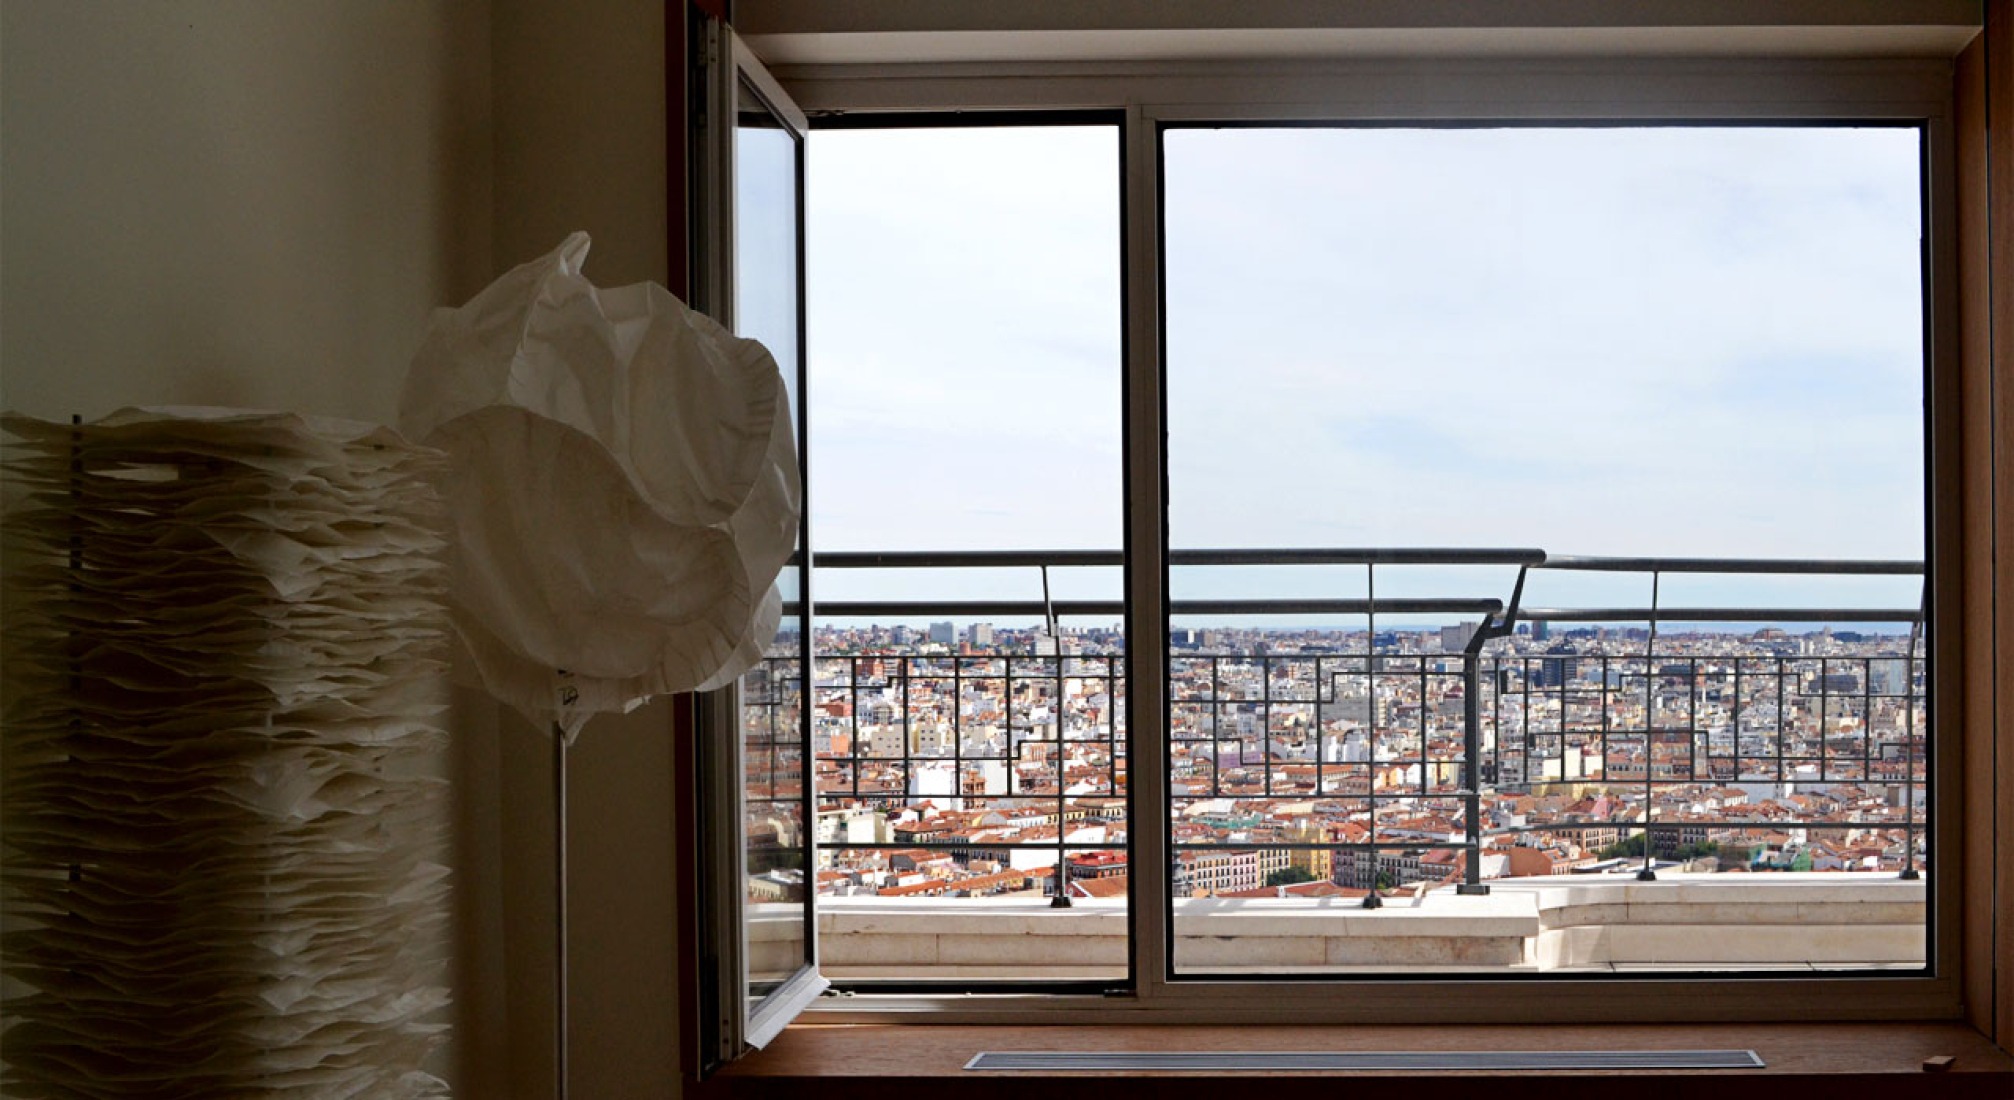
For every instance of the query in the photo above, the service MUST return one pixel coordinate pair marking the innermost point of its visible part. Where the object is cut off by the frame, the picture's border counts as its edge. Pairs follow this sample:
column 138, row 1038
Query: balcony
column 1413, row 798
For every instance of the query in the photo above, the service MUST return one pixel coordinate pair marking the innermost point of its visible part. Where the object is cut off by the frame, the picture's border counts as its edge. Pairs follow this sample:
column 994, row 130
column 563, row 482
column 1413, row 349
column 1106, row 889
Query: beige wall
column 235, row 202
column 249, row 203
column 580, row 138
column 580, row 144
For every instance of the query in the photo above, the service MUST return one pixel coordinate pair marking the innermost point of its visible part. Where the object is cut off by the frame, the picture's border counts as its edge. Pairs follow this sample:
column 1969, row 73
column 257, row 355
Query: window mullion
column 1146, row 579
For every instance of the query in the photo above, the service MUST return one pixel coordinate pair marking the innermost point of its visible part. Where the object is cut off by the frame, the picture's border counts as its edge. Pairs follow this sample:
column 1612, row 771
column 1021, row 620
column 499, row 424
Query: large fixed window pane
column 1649, row 345
column 968, row 701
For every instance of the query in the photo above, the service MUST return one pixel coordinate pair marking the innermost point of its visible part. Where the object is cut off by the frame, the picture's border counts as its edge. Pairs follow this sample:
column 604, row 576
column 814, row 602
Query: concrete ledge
column 1791, row 920
column 1794, row 921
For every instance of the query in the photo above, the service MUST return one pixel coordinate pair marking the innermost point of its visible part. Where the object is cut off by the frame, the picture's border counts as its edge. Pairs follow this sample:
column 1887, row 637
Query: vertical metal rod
column 1216, row 726
column 1909, row 755
column 1824, row 712
column 1867, row 720
column 1049, row 613
column 1782, row 701
column 559, row 970
column 1736, row 771
column 1648, row 874
column 1562, row 667
column 907, row 665
column 1489, row 629
column 1472, row 742
column 1691, row 722
column 1062, row 898
column 1372, row 900
column 1321, row 737
column 958, row 729
column 1265, row 725
column 1114, row 675
column 1500, row 674
column 1427, row 770
column 853, row 721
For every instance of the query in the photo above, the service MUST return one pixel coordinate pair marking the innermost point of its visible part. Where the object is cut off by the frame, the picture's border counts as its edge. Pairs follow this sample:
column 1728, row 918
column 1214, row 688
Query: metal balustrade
column 1408, row 764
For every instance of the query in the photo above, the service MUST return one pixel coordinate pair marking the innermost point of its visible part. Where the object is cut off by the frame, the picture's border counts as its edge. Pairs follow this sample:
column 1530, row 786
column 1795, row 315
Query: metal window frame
column 1649, row 91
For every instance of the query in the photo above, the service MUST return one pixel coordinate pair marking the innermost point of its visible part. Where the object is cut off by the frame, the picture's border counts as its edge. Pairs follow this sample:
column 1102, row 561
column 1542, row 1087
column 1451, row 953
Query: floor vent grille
column 1361, row 1061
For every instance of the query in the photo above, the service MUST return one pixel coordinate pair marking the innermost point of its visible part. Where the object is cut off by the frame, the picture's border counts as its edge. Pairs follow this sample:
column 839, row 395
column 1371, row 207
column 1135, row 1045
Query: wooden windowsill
column 841, row 1062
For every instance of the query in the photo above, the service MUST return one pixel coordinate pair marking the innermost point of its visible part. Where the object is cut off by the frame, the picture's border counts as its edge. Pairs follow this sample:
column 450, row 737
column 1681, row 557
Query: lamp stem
column 559, row 993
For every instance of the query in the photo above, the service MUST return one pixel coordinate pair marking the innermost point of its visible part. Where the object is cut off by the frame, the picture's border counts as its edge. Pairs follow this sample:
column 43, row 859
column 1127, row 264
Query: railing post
column 1062, row 898
column 1909, row 749
column 1372, row 899
column 1488, row 630
column 1472, row 766
column 1649, row 871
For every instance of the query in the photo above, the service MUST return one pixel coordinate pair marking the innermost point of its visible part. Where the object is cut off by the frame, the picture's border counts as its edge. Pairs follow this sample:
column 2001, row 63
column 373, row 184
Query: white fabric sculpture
column 622, row 489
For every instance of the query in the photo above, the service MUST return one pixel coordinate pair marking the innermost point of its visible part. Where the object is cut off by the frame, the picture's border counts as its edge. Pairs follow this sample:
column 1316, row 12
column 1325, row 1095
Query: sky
column 1670, row 341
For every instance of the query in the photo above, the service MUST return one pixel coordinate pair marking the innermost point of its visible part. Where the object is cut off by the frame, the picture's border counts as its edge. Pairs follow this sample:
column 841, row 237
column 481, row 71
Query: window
column 767, row 305
column 1170, row 585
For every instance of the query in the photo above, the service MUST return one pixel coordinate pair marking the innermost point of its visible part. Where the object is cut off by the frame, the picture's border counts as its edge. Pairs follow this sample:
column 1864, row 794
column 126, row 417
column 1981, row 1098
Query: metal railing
column 1357, row 728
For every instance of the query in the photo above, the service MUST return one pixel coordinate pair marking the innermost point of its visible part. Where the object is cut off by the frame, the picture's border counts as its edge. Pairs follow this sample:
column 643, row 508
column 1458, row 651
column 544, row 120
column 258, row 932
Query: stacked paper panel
column 224, row 811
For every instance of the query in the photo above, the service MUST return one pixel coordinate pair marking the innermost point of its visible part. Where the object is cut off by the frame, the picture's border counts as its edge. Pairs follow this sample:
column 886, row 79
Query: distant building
column 1554, row 671
column 944, row 633
column 981, row 635
column 1364, row 868
column 1455, row 638
column 1889, row 676
column 1100, row 864
column 1203, row 874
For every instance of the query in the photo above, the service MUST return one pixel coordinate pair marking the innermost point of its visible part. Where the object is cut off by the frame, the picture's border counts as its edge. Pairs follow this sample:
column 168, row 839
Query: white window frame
column 1564, row 90
column 743, row 1022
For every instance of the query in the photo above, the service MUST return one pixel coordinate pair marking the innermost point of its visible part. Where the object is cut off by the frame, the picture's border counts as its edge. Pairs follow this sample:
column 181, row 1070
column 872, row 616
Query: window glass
column 968, row 713
column 767, row 301
column 1626, row 343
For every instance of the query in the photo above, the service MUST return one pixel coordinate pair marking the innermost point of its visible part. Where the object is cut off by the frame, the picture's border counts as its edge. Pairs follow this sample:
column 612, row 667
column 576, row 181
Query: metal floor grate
column 1363, row 1060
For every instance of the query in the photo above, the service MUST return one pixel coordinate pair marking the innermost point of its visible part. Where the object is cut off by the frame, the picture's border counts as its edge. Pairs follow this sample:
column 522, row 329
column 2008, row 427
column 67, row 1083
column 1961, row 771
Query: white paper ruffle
column 622, row 489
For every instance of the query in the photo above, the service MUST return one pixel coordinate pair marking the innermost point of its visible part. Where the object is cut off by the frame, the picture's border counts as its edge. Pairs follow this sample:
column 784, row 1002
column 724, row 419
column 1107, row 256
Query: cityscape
column 962, row 761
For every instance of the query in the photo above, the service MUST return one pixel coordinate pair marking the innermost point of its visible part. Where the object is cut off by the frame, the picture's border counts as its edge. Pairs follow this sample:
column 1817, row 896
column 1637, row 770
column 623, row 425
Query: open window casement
column 760, row 965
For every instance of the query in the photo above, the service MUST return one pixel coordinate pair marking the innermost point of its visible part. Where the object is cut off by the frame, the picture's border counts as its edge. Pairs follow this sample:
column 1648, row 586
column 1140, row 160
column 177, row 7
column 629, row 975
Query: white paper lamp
column 622, row 489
